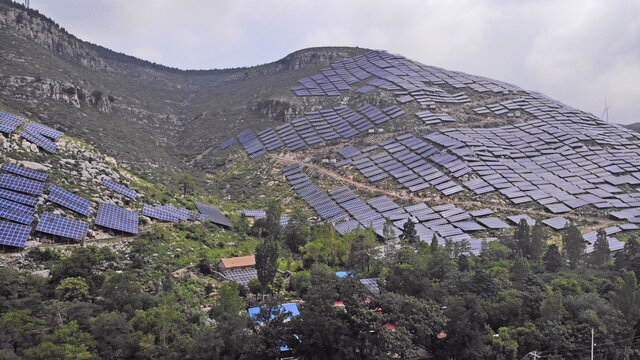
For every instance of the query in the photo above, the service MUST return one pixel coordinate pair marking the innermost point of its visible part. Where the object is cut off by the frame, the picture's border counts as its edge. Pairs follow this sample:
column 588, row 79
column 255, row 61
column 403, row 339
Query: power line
column 552, row 352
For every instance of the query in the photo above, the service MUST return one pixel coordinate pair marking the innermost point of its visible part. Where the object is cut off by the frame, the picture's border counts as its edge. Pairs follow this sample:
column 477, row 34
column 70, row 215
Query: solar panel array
column 35, row 128
column 261, row 214
column 227, row 143
column 413, row 162
column 408, row 79
column 12, row 234
column 116, row 218
column 213, row 214
column 317, row 127
column 41, row 141
column 21, row 185
column 69, row 200
column 19, row 198
column 61, row 226
column 119, row 188
column 371, row 285
column 19, row 170
column 348, row 212
column 160, row 213
column 41, row 135
column 242, row 276
column 9, row 122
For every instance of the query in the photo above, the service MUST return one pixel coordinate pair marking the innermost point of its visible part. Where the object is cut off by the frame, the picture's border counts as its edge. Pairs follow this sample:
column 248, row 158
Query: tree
column 69, row 342
column 301, row 282
column 627, row 297
column 523, row 238
column 434, row 243
column 388, row 231
column 272, row 222
column 574, row 245
column 123, row 293
column 20, row 330
column 362, row 251
column 187, row 184
column 538, row 241
column 112, row 333
column 553, row 260
column 601, row 253
column 409, row 233
column 295, row 235
column 629, row 257
column 267, row 261
column 326, row 246
column 73, row 289
column 552, row 308
column 242, row 225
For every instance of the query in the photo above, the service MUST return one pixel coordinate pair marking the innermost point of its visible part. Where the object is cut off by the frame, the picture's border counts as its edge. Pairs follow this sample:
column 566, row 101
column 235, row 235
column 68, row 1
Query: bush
column 301, row 282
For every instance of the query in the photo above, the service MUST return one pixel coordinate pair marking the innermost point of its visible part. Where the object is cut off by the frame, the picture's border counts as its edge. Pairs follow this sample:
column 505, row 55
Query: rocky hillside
column 137, row 111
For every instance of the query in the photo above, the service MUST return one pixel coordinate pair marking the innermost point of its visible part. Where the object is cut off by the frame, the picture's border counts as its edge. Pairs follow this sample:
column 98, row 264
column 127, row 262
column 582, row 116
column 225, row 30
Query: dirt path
column 415, row 198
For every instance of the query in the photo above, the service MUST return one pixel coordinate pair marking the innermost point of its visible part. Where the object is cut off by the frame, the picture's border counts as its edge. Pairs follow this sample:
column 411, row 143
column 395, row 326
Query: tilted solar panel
column 22, row 185
column 214, row 214
column 119, row 188
column 41, row 141
column 113, row 217
column 15, row 216
column 70, row 196
column 62, row 226
column 12, row 234
column 36, row 128
column 158, row 213
column 23, row 209
column 19, row 198
column 18, row 170
column 54, row 197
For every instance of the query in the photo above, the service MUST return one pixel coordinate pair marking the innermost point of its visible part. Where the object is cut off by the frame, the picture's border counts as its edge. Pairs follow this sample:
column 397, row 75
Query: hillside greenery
column 502, row 304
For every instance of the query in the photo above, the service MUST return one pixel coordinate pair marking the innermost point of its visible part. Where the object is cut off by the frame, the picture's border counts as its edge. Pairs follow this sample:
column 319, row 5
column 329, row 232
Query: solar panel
column 242, row 276
column 17, row 197
column 70, row 196
column 22, row 185
column 113, row 217
column 158, row 213
column 54, row 197
column 23, row 209
column 36, row 128
column 18, row 170
column 119, row 188
column 371, row 285
column 12, row 234
column 213, row 213
column 61, row 226
column 41, row 141
column 557, row 223
column 493, row 223
column 16, row 216
column 9, row 122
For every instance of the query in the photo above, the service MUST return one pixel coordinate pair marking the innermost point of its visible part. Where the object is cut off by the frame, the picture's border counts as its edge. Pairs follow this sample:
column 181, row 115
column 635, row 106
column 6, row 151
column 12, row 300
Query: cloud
column 577, row 51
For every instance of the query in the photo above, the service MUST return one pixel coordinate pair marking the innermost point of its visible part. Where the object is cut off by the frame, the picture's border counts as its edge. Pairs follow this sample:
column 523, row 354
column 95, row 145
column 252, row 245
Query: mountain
column 135, row 110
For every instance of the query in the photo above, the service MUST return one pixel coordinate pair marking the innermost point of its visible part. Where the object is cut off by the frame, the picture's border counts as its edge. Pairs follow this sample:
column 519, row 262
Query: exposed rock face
column 150, row 117
column 30, row 24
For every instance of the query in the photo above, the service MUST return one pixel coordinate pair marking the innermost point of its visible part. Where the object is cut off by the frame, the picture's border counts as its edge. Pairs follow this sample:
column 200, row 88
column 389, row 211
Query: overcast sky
column 576, row 51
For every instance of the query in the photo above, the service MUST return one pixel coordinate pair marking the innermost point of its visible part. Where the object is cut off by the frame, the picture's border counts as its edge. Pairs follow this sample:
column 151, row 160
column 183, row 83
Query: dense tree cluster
column 524, row 293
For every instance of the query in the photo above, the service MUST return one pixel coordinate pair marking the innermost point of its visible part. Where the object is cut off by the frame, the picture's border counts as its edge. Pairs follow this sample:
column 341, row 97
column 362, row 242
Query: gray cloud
column 577, row 51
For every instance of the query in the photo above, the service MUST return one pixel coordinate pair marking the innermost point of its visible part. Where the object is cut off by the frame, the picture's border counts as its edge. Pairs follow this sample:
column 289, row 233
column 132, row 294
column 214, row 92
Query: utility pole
column 591, row 344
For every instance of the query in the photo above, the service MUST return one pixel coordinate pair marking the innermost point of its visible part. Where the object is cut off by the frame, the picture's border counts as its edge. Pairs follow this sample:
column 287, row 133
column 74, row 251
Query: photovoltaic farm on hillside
column 24, row 192
column 537, row 158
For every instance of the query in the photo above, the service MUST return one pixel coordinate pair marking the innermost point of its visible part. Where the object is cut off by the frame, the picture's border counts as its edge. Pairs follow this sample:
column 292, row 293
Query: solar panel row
column 119, row 188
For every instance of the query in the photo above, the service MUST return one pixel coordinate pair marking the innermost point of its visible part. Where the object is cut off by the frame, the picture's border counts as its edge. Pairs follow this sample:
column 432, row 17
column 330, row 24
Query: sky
column 579, row 52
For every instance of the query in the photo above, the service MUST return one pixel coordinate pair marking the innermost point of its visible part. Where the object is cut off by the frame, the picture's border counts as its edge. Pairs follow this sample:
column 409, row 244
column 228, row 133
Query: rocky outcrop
column 30, row 24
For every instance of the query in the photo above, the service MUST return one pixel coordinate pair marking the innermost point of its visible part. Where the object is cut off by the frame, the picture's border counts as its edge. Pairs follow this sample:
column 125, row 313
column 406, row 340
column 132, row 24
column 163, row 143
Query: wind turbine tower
column 605, row 113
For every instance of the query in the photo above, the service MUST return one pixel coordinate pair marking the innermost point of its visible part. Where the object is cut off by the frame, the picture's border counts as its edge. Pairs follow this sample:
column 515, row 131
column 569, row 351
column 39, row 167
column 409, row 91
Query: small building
column 235, row 263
